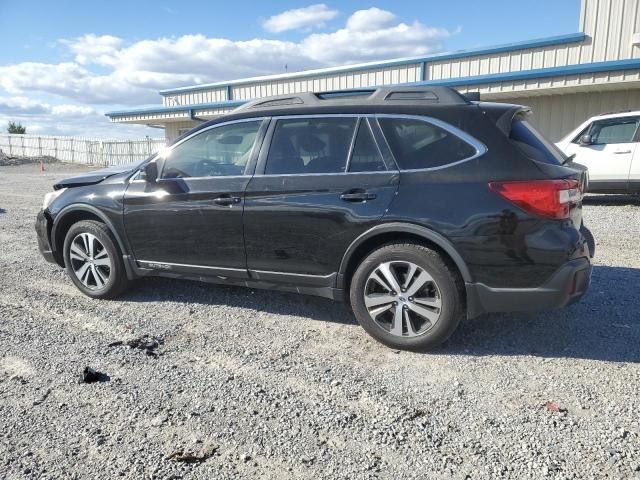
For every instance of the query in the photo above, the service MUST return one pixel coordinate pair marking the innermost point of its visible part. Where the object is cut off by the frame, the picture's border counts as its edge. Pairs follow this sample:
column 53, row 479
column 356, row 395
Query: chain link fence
column 89, row 151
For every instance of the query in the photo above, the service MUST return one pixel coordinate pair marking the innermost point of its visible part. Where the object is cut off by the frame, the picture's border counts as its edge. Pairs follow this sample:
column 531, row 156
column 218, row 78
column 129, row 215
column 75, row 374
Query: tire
column 93, row 260
column 591, row 242
column 442, row 296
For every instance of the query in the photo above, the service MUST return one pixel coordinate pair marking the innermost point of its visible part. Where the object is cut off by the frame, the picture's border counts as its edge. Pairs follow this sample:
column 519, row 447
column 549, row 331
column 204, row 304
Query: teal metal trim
column 609, row 66
column 536, row 43
column 183, row 108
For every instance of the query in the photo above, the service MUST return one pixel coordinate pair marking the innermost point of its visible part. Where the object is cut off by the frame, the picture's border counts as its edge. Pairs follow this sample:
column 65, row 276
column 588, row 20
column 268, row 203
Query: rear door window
column 533, row 144
column 310, row 145
column 418, row 144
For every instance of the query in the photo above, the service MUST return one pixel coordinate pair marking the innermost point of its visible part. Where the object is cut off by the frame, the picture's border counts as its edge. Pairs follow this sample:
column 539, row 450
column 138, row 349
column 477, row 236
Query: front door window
column 220, row 151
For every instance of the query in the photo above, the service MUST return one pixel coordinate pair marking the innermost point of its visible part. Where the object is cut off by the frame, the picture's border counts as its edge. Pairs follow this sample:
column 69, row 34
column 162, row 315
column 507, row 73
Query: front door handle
column 620, row 152
column 357, row 195
column 227, row 200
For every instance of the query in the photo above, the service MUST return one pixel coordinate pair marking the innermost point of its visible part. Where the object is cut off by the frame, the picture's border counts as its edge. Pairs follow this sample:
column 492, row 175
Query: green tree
column 14, row 127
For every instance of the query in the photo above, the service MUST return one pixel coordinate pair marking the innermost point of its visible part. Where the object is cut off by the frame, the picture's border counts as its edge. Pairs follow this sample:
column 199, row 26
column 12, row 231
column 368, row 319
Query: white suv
column 608, row 146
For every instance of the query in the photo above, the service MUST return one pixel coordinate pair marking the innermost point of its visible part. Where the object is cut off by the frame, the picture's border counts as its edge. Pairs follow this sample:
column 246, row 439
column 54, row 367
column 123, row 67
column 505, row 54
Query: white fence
column 80, row 150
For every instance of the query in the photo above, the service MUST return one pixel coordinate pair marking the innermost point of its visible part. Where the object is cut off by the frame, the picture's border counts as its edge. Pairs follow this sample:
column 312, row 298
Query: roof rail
column 617, row 111
column 379, row 96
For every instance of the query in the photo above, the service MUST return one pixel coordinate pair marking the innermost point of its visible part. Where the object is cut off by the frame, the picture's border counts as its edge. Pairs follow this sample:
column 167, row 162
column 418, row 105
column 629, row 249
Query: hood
column 91, row 178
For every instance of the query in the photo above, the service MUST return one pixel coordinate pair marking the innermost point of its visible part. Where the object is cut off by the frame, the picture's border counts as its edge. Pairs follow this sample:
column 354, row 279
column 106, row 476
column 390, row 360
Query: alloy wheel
column 90, row 261
column 402, row 298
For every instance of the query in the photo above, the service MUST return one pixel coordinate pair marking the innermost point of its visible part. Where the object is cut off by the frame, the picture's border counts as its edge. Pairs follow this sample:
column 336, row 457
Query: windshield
column 533, row 144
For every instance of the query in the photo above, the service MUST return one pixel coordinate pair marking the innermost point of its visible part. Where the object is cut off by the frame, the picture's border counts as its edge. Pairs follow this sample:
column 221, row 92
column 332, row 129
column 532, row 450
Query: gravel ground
column 238, row 383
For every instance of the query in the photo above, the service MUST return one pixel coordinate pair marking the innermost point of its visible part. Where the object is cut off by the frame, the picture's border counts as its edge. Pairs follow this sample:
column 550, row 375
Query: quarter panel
column 502, row 245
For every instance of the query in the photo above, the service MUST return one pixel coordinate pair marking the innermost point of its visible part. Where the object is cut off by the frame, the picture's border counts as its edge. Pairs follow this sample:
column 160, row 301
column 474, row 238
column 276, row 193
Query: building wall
column 331, row 81
column 191, row 98
column 557, row 115
column 172, row 130
column 608, row 24
column 561, row 101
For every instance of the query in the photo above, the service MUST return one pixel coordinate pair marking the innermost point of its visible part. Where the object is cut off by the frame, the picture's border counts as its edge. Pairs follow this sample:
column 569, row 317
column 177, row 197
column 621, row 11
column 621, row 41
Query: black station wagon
column 417, row 206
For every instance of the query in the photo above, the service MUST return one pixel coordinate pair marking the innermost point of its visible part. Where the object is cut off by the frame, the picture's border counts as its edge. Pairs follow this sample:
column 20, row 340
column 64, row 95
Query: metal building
column 565, row 78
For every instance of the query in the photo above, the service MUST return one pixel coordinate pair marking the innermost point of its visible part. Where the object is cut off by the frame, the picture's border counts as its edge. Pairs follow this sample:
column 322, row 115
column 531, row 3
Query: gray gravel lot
column 254, row 384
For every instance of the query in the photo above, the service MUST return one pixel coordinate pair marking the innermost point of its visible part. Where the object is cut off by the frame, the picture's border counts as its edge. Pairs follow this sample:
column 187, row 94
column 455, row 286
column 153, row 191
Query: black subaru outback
column 416, row 205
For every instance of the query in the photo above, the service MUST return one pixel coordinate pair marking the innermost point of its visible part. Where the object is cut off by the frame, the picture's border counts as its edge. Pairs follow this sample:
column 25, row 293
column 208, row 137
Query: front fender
column 62, row 219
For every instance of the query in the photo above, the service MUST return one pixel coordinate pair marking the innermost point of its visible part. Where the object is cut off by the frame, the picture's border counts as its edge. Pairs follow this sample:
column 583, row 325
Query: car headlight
column 50, row 197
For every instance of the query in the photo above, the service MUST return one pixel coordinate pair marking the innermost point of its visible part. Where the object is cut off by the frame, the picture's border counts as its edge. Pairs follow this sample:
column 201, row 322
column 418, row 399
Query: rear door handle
column 357, row 195
column 227, row 200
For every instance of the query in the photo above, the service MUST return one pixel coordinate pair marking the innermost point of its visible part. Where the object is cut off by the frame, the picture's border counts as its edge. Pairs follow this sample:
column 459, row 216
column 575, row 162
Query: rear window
column 533, row 144
column 418, row 144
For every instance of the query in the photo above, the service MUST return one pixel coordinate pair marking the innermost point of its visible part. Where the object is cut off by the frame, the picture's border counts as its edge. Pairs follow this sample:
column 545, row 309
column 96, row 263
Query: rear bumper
column 42, row 232
column 567, row 285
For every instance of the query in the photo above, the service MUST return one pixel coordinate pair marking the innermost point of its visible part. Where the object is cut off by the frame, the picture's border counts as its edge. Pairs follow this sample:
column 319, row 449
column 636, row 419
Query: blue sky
column 64, row 63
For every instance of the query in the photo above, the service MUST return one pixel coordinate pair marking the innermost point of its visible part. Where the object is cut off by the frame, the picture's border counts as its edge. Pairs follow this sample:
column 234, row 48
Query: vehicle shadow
column 611, row 200
column 604, row 325
column 157, row 289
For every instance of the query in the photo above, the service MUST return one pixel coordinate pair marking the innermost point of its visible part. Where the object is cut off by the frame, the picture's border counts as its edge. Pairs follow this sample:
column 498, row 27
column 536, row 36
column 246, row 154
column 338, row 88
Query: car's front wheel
column 93, row 260
column 406, row 296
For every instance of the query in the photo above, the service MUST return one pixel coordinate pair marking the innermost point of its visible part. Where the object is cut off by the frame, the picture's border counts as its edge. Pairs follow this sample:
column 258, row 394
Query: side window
column 220, row 151
column 310, row 145
column 620, row 130
column 419, row 144
column 366, row 156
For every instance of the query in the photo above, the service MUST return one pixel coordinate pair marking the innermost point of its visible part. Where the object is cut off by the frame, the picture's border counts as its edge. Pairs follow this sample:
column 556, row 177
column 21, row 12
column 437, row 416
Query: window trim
column 479, row 147
column 365, row 120
column 248, row 171
column 268, row 138
column 352, row 144
column 374, row 126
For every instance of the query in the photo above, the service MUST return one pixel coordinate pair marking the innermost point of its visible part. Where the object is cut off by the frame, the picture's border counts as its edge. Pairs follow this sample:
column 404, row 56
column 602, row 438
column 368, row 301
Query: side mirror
column 151, row 172
column 585, row 140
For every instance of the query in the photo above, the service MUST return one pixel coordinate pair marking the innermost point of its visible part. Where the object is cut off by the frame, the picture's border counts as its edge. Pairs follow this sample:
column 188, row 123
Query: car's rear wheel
column 93, row 260
column 406, row 296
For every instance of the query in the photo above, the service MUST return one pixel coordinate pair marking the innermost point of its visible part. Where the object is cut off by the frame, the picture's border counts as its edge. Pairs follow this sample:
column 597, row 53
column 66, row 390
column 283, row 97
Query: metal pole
column 40, row 146
column 10, row 148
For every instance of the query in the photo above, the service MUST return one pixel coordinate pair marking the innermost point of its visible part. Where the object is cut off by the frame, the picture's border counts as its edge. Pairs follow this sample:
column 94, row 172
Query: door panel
column 191, row 217
column 302, row 222
column 181, row 221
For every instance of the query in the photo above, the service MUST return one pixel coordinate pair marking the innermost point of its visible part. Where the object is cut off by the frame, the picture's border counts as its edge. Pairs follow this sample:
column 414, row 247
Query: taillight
column 548, row 198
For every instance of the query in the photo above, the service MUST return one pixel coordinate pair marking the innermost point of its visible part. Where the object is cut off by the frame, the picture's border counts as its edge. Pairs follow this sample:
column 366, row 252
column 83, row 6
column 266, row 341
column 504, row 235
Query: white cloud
column 371, row 35
column 94, row 49
column 65, row 119
column 370, row 19
column 21, row 106
column 107, row 72
column 313, row 16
